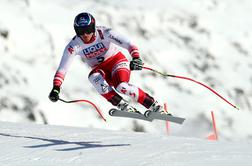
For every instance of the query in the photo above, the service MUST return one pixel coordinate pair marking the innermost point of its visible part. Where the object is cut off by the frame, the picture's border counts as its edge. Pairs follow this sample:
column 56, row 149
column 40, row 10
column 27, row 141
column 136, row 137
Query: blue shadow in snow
column 56, row 142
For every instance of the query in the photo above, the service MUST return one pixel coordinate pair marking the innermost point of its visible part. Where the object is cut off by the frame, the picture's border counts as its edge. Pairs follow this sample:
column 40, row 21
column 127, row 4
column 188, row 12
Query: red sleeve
column 58, row 79
column 134, row 52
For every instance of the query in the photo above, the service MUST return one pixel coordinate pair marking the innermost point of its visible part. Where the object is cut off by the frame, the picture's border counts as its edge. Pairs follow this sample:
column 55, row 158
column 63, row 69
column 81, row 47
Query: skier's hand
column 136, row 64
column 54, row 94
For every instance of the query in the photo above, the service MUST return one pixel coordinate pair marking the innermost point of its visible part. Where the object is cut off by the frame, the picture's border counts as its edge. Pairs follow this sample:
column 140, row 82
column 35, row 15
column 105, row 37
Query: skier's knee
column 97, row 71
column 128, row 89
column 99, row 83
column 122, row 87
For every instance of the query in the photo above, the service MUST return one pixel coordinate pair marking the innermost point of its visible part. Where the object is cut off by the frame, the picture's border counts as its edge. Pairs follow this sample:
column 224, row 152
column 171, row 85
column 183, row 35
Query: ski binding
column 166, row 117
column 135, row 115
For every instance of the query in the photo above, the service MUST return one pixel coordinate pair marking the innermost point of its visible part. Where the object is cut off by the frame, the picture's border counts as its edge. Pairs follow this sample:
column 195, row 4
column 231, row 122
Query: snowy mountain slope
column 205, row 39
column 29, row 144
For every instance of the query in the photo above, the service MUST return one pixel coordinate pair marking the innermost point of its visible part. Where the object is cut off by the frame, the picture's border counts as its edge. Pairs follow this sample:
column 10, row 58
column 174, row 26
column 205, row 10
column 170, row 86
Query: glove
column 54, row 94
column 136, row 64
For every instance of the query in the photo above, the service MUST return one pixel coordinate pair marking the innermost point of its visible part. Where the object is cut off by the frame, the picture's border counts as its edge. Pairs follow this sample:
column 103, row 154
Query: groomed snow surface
column 46, row 145
column 206, row 40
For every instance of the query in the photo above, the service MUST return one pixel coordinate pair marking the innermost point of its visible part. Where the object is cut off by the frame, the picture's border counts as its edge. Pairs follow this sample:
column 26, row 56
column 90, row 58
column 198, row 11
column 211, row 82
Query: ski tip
column 183, row 121
column 236, row 108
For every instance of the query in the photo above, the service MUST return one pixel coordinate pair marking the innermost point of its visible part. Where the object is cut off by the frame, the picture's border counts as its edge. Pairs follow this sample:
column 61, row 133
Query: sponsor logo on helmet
column 84, row 21
column 95, row 50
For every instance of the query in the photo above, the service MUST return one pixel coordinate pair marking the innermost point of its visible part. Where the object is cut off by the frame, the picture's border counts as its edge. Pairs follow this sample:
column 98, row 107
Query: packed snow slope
column 40, row 145
column 207, row 40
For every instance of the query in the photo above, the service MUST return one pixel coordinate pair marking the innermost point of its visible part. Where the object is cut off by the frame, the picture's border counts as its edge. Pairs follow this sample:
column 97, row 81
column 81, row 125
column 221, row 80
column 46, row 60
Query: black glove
column 136, row 64
column 54, row 94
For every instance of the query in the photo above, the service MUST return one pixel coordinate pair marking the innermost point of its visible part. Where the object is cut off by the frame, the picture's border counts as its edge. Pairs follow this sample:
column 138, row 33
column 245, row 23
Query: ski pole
column 86, row 101
column 190, row 79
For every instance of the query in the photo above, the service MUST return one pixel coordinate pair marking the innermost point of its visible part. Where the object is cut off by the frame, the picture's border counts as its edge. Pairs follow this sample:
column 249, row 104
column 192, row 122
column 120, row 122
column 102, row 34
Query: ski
column 118, row 113
column 157, row 115
column 147, row 116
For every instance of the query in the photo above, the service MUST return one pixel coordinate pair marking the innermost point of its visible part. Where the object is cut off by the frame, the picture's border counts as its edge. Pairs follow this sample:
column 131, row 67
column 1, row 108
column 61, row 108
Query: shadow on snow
column 56, row 142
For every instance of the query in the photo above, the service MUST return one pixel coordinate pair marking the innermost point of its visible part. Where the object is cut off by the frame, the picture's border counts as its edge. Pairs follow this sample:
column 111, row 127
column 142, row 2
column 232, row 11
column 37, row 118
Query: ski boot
column 124, row 106
column 155, row 107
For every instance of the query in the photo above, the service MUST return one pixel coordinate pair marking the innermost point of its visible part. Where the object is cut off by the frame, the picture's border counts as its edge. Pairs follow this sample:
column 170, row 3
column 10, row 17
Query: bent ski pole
column 86, row 101
column 190, row 79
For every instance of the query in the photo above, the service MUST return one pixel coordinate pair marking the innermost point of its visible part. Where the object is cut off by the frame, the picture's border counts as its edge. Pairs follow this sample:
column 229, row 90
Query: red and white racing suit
column 110, row 68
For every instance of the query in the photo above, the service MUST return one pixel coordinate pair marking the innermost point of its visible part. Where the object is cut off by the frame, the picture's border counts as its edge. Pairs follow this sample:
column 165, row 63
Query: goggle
column 84, row 30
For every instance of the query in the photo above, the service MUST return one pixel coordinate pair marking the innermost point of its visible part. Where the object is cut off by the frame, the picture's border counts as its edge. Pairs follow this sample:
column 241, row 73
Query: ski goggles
column 84, row 30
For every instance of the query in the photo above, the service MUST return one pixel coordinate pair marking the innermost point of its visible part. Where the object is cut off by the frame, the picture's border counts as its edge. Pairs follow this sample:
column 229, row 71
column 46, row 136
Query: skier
column 98, row 46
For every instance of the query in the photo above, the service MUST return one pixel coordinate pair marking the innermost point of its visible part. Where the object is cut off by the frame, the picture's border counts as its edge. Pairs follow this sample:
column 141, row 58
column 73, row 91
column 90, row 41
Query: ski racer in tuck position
column 98, row 46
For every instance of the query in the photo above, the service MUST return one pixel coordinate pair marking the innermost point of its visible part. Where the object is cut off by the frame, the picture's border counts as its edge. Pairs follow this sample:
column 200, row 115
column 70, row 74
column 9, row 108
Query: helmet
column 84, row 23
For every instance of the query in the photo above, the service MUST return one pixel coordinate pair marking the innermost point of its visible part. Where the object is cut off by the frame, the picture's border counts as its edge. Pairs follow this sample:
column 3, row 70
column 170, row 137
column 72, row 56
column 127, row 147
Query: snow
column 29, row 144
column 207, row 40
